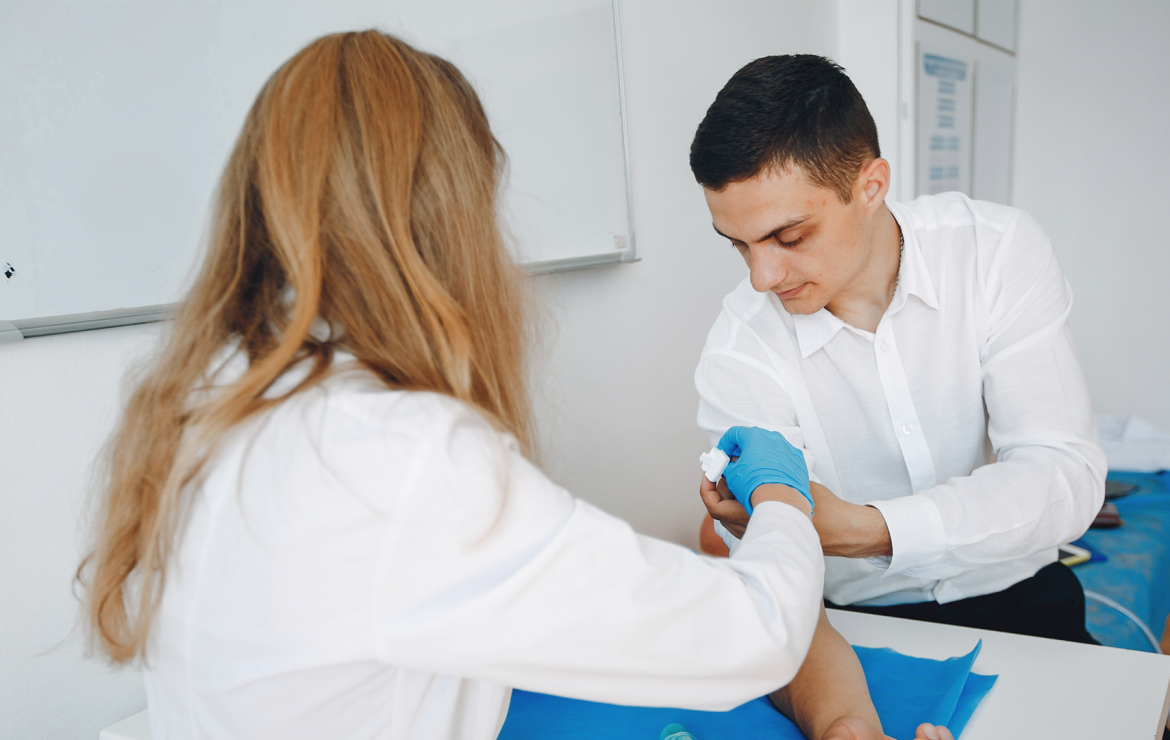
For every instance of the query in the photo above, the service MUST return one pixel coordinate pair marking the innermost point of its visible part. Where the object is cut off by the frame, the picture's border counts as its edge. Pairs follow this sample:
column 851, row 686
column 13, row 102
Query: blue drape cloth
column 1137, row 570
column 906, row 691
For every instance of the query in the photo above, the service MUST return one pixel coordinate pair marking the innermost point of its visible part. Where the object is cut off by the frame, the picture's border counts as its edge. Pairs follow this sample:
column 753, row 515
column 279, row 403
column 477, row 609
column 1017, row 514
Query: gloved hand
column 764, row 457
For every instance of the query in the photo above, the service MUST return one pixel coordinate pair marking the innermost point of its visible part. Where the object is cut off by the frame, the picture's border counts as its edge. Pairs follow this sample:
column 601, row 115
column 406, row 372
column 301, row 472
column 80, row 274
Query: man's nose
column 767, row 268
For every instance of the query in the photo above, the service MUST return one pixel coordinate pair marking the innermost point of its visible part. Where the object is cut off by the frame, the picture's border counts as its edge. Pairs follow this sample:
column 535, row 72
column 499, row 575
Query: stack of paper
column 1133, row 444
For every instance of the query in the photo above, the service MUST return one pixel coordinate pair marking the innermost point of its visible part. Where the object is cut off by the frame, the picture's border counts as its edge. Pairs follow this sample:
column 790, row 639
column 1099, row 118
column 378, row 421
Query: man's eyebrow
column 720, row 233
column 774, row 232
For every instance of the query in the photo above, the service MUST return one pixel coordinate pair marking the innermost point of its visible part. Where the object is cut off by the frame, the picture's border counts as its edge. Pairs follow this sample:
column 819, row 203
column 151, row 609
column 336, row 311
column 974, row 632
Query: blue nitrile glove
column 764, row 457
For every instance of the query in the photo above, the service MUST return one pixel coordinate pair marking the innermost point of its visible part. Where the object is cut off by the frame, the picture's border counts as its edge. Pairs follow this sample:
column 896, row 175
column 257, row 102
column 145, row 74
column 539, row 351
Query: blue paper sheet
column 1137, row 573
column 906, row 691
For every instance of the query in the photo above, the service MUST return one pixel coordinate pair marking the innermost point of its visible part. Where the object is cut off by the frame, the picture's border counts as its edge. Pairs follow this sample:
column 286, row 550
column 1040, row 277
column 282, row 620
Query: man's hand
column 829, row 697
column 855, row 728
column 847, row 530
column 723, row 506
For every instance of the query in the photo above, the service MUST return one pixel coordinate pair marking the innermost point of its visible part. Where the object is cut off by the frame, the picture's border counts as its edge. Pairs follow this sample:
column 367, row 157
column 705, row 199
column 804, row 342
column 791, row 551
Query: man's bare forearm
column 830, row 686
column 846, row 530
column 849, row 530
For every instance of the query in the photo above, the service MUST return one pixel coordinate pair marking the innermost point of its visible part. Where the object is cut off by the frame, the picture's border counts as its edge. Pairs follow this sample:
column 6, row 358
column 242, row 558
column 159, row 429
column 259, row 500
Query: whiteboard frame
column 15, row 331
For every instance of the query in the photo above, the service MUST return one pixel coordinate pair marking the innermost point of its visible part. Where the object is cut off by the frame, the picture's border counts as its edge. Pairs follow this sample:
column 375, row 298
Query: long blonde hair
column 361, row 192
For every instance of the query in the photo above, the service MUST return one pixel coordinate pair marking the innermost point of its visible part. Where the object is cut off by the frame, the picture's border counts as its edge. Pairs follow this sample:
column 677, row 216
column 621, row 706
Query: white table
column 1046, row 688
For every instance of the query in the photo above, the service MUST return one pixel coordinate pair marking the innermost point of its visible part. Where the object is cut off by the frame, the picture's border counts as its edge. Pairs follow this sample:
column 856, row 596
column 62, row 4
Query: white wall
column 1091, row 165
column 58, row 400
column 617, row 406
column 870, row 48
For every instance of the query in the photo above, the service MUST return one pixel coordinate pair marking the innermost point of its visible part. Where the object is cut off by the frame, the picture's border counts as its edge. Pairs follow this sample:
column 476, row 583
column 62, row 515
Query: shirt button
column 906, row 429
column 885, row 346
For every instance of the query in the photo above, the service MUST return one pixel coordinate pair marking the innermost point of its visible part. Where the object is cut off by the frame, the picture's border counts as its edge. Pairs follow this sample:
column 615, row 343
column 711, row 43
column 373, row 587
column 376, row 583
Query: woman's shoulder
column 353, row 423
column 381, row 445
column 358, row 397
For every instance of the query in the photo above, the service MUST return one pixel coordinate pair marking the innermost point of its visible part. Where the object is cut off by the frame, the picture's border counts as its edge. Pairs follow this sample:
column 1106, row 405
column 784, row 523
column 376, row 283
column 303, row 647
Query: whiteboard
column 116, row 119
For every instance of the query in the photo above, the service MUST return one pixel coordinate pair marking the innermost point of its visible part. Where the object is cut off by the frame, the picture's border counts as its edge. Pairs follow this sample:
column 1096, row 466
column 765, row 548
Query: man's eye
column 792, row 243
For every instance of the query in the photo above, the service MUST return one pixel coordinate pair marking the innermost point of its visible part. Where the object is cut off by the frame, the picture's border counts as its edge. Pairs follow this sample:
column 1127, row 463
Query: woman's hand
column 759, row 457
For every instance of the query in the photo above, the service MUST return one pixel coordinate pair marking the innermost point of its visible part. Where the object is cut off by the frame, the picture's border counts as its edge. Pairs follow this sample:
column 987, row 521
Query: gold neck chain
column 901, row 251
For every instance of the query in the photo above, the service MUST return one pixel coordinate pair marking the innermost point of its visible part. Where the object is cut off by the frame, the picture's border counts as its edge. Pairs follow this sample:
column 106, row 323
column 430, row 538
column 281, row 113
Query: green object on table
column 675, row 731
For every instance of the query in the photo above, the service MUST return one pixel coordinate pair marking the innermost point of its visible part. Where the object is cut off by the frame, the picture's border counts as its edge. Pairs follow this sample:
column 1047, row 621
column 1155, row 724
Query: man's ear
column 874, row 183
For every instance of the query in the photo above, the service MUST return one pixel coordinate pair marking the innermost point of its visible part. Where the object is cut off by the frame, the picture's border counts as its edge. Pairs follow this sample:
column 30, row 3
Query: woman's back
column 360, row 199
column 269, row 624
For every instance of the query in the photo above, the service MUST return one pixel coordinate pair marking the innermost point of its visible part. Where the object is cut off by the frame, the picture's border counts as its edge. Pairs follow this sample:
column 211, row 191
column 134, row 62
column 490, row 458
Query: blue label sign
column 950, row 69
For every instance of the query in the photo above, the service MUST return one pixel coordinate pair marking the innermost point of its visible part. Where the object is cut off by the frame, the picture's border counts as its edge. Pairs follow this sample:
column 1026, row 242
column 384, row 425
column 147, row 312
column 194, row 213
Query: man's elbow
column 1088, row 491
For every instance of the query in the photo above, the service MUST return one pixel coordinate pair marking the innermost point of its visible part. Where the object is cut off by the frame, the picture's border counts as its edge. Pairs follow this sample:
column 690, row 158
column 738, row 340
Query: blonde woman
column 319, row 520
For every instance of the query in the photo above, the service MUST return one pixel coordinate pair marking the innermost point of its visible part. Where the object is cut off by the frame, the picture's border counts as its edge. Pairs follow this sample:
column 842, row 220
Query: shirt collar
column 913, row 275
column 814, row 331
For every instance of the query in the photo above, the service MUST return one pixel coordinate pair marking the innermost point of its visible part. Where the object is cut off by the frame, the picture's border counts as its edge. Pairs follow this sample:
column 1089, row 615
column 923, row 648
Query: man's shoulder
column 744, row 302
column 950, row 212
column 739, row 306
column 951, row 226
column 743, row 306
column 985, row 250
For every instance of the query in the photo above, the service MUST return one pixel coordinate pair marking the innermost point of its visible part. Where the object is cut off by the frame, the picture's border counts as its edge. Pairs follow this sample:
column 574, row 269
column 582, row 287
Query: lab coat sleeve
column 1047, row 483
column 490, row 571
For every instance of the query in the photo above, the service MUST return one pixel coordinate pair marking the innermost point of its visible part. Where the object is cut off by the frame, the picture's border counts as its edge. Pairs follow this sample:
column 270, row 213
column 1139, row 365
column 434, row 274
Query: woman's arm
column 520, row 584
column 829, row 698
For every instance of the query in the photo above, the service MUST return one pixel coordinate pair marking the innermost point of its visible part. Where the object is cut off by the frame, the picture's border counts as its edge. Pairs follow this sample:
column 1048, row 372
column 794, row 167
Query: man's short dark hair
column 781, row 111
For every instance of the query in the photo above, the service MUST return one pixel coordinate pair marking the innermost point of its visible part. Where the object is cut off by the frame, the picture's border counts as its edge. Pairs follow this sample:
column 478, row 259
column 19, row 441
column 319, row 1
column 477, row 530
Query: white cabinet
column 956, row 14
column 965, row 91
column 995, row 23
column 991, row 171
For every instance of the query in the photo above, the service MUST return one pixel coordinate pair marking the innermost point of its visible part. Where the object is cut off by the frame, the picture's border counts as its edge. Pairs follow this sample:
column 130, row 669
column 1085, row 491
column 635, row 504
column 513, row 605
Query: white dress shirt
column 365, row 563
column 973, row 352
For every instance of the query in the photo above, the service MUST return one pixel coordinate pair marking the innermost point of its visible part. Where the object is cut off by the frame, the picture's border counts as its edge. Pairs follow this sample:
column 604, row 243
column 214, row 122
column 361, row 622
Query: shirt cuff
column 916, row 535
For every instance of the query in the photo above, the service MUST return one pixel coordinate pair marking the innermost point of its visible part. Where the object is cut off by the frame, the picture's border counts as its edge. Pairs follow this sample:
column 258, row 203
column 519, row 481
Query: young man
column 918, row 354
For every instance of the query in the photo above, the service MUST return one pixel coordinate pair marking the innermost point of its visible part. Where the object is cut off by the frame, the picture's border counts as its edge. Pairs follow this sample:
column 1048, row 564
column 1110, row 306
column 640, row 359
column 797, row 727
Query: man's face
column 798, row 240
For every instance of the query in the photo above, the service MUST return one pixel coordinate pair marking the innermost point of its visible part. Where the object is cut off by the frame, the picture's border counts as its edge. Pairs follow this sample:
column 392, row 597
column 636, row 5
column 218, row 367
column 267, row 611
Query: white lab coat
column 365, row 563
